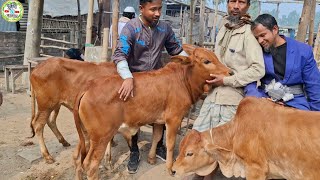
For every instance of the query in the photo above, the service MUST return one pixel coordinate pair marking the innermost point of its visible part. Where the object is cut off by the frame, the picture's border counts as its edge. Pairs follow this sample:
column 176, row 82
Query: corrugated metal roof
column 55, row 8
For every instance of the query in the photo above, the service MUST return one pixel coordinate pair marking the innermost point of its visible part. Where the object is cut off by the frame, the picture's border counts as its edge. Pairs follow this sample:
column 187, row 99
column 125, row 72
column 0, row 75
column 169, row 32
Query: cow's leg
column 94, row 157
column 171, row 133
column 256, row 172
column 53, row 126
column 38, row 124
column 77, row 162
column 157, row 134
column 108, row 163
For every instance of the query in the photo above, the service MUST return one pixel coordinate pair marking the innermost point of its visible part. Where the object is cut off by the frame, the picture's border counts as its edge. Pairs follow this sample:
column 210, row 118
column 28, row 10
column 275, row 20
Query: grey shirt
column 141, row 45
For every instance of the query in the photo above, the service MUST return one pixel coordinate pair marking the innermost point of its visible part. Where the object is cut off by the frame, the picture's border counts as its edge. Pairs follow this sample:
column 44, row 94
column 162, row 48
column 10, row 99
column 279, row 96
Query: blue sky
column 284, row 8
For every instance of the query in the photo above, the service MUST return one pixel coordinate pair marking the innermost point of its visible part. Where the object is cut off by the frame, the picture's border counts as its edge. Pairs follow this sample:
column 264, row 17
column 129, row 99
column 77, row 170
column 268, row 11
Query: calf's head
column 204, row 61
column 195, row 155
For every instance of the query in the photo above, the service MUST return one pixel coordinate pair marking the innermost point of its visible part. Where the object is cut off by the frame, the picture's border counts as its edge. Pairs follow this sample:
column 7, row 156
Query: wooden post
column 63, row 44
column 201, row 28
column 213, row 32
column 76, row 36
column 115, row 19
column 277, row 12
column 89, row 23
column 311, row 22
column 72, row 34
column 316, row 48
column 79, row 34
column 100, row 5
column 105, row 45
column 192, row 10
column 33, row 35
column 184, row 22
column 304, row 21
column 41, row 51
column 181, row 20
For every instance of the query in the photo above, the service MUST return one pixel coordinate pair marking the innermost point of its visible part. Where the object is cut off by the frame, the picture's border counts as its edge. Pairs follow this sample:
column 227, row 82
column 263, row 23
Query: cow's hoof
column 65, row 144
column 152, row 161
column 171, row 173
column 49, row 160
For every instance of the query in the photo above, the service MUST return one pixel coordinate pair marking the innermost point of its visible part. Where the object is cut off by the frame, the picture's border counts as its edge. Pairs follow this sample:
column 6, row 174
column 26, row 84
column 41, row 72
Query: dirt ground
column 15, row 114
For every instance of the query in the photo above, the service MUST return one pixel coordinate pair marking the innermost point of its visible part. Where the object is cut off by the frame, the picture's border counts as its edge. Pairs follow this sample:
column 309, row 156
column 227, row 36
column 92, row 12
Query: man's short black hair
column 142, row 2
column 248, row 1
column 265, row 20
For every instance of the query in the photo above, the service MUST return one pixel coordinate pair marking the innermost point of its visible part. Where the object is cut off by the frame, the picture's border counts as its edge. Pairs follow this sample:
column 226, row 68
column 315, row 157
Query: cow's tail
column 33, row 111
column 78, row 126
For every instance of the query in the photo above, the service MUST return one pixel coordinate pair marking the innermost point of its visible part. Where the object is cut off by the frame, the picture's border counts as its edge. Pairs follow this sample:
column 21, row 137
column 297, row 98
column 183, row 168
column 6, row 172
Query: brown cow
column 161, row 96
column 264, row 141
column 56, row 82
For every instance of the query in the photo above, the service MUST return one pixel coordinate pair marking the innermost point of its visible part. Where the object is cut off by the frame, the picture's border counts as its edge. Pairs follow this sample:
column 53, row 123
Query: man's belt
column 278, row 91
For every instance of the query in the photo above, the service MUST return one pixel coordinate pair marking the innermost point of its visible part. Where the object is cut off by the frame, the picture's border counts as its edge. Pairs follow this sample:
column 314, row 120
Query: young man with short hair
column 139, row 49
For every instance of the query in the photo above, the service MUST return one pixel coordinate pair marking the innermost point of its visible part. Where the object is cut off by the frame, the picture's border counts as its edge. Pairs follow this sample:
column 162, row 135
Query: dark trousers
column 134, row 141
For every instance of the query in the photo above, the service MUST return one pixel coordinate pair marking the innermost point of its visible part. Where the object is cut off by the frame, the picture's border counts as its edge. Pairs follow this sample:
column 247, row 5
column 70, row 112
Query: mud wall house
column 59, row 18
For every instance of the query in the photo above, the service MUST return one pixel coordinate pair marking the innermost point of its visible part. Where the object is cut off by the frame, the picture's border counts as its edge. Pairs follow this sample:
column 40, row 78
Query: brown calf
column 56, row 82
column 161, row 96
column 264, row 141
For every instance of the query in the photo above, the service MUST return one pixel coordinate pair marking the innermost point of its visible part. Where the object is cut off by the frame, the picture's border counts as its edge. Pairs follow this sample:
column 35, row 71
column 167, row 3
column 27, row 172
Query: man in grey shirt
column 139, row 49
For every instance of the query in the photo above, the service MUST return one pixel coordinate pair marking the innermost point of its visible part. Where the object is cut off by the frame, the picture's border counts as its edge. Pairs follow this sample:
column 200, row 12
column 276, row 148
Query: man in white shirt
column 128, row 13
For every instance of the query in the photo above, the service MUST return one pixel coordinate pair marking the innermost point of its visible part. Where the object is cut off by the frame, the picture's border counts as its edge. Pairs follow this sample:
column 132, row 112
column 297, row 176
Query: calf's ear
column 188, row 48
column 181, row 59
column 212, row 148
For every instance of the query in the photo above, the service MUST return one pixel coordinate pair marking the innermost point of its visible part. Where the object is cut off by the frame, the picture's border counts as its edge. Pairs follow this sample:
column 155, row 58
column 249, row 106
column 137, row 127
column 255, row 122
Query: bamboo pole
column 105, row 45
column 304, row 21
column 311, row 22
column 115, row 19
column 201, row 28
column 89, row 23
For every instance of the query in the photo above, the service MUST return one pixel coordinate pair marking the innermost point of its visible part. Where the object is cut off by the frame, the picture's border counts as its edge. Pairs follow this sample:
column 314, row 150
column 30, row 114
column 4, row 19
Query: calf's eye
column 189, row 154
column 207, row 62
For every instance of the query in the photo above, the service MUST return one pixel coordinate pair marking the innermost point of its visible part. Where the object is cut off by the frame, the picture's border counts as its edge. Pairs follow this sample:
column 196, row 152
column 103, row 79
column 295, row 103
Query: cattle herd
column 277, row 142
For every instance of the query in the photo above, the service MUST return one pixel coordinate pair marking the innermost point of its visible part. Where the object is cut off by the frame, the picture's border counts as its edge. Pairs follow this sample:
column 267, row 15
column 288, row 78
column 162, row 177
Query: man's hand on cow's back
column 126, row 89
column 217, row 80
